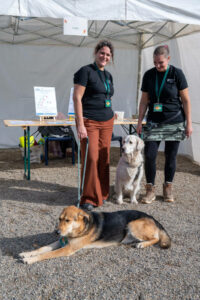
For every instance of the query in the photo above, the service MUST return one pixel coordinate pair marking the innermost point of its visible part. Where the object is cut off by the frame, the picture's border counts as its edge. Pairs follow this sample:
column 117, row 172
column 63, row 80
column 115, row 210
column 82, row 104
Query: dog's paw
column 139, row 245
column 134, row 201
column 119, row 201
column 28, row 260
column 25, row 254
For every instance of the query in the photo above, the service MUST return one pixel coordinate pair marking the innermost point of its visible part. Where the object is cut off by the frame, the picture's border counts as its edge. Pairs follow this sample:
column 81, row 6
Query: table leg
column 132, row 129
column 27, row 155
column 73, row 151
column 29, row 169
column 46, row 150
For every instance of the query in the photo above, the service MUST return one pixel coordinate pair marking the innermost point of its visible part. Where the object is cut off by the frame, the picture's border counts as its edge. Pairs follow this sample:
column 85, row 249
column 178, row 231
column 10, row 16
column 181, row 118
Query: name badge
column 157, row 107
column 107, row 103
column 169, row 80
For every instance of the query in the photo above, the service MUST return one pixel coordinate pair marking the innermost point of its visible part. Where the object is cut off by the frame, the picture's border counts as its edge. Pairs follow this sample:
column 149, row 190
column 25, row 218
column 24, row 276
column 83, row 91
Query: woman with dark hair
column 165, row 96
column 93, row 89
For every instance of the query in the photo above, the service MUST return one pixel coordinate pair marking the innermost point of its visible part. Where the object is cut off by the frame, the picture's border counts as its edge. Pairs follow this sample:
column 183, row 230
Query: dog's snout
column 57, row 231
column 124, row 146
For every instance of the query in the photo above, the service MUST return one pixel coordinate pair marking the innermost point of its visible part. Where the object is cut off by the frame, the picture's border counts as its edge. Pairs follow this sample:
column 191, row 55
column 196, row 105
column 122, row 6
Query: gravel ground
column 29, row 211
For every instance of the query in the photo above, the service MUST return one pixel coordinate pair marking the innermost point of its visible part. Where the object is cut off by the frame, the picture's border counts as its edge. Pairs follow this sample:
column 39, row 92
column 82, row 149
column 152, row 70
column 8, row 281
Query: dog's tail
column 165, row 240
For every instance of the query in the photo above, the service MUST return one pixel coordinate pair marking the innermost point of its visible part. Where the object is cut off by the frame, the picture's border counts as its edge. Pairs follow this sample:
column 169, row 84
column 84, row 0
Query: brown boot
column 150, row 194
column 167, row 192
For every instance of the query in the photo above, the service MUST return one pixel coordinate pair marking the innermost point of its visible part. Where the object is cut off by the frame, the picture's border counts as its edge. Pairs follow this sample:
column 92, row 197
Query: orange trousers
column 96, row 184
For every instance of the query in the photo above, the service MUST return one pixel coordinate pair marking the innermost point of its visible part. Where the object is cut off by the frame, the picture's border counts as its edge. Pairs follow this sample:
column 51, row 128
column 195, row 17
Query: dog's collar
column 133, row 165
column 63, row 241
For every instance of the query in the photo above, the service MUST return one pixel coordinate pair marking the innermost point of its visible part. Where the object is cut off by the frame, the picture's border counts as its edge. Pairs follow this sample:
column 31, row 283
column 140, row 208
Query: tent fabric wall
column 185, row 55
column 23, row 67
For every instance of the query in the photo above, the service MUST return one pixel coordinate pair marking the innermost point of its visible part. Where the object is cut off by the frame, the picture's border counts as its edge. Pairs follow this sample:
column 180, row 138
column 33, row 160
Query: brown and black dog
column 80, row 229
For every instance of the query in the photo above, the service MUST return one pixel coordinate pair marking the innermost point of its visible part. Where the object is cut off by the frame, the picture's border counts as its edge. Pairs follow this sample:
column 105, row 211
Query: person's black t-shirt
column 93, row 100
column 169, row 96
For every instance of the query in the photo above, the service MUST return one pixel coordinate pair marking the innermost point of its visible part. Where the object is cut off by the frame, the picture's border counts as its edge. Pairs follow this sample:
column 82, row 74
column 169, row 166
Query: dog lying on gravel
column 129, row 169
column 80, row 229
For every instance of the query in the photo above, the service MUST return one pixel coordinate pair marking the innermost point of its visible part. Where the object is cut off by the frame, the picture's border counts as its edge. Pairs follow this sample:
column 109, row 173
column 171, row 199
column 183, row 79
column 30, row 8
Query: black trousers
column 150, row 152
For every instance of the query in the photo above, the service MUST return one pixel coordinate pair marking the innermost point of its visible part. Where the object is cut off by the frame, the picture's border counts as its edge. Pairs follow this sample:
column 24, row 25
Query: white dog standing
column 129, row 169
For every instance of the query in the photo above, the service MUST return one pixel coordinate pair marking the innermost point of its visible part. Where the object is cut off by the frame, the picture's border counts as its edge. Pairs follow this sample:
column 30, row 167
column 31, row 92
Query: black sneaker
column 87, row 206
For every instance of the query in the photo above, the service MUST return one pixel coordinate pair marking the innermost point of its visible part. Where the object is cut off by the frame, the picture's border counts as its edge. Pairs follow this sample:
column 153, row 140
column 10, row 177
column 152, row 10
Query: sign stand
column 42, row 118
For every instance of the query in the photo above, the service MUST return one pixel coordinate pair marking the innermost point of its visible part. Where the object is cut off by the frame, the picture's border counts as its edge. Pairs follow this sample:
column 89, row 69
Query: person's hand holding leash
column 81, row 132
column 139, row 128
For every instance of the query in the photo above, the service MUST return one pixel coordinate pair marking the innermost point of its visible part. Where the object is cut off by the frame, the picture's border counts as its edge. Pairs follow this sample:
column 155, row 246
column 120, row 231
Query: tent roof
column 181, row 11
column 128, row 23
column 45, row 31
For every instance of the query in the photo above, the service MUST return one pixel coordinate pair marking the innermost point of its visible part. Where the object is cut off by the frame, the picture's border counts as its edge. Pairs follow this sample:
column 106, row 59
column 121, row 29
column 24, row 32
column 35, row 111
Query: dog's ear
column 86, row 220
column 84, row 216
column 140, row 144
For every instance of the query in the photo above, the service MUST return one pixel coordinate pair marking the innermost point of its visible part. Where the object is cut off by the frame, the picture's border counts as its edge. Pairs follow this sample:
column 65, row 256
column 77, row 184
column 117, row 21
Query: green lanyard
column 106, row 83
column 158, row 92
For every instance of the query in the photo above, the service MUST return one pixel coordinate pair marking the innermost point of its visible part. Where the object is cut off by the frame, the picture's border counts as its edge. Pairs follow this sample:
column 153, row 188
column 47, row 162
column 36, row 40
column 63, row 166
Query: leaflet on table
column 62, row 123
column 18, row 122
column 45, row 101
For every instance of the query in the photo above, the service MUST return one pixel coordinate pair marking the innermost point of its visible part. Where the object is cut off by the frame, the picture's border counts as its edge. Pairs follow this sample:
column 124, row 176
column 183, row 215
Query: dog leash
column 64, row 240
column 80, row 186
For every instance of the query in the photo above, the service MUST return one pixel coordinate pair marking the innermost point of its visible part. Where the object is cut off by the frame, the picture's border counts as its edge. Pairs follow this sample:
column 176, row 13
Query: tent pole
column 139, row 70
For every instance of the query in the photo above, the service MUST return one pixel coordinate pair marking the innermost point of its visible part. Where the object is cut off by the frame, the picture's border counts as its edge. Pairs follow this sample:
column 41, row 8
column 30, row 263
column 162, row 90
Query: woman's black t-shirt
column 169, row 96
column 93, row 100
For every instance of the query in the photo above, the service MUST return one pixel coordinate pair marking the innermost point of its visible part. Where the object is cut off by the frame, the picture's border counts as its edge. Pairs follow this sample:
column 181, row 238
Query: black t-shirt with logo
column 169, row 96
column 93, row 100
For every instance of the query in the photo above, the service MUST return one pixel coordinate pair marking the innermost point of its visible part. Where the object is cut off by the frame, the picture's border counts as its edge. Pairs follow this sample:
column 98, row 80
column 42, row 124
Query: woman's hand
column 142, row 110
column 81, row 132
column 187, row 110
column 188, row 130
column 139, row 128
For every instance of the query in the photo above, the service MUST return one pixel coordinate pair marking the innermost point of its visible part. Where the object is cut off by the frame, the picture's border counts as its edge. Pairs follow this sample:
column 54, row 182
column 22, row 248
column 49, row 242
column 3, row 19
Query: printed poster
column 45, row 101
column 71, row 103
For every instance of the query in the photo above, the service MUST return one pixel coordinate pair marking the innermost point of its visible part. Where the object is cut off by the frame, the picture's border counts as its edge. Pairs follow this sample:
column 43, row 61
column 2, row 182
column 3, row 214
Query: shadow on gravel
column 14, row 246
column 12, row 164
column 37, row 192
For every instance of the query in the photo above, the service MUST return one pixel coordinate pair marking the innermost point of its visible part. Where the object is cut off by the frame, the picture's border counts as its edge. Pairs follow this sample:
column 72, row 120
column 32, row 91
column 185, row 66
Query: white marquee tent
column 34, row 52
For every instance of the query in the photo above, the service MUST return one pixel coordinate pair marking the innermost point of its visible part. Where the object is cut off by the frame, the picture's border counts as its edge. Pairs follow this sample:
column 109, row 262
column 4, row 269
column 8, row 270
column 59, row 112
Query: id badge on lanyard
column 107, row 102
column 158, row 107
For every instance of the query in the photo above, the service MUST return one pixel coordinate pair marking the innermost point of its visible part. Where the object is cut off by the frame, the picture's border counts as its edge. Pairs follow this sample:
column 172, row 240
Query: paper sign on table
column 71, row 112
column 45, row 101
